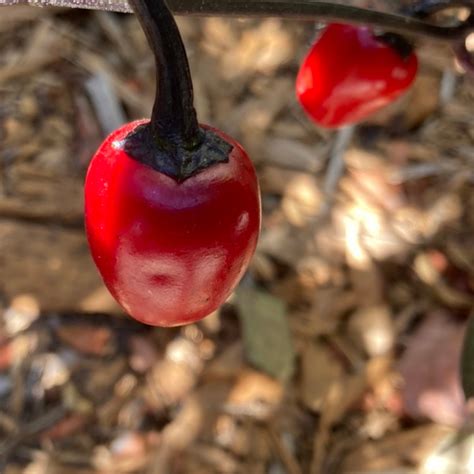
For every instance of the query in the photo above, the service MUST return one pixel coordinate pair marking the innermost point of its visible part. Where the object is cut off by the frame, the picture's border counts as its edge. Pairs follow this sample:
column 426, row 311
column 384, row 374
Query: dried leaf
column 430, row 368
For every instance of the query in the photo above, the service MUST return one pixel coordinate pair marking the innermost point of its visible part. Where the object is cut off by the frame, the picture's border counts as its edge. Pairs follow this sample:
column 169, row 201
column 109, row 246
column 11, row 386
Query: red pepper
column 350, row 73
column 172, row 207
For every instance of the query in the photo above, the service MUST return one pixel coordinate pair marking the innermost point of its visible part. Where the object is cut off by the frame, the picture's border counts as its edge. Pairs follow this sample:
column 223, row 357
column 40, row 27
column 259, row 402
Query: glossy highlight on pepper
column 169, row 252
column 350, row 73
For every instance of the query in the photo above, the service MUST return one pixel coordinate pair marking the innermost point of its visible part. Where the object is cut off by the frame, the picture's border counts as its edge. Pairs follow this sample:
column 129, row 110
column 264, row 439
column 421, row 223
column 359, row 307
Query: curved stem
column 172, row 143
column 320, row 10
column 174, row 117
column 311, row 10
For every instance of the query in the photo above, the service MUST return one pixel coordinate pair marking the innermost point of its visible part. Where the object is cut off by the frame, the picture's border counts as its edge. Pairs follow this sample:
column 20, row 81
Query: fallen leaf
column 430, row 369
column 266, row 334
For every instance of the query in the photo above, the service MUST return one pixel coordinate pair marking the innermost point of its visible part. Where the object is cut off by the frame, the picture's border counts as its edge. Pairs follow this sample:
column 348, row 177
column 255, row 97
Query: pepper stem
column 172, row 143
column 398, row 43
column 173, row 119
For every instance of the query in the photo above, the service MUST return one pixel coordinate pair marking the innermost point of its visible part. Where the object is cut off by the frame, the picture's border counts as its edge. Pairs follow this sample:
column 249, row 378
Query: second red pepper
column 350, row 73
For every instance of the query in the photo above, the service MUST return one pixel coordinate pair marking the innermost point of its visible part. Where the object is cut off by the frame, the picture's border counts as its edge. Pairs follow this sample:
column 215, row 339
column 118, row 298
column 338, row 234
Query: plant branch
column 411, row 22
column 174, row 117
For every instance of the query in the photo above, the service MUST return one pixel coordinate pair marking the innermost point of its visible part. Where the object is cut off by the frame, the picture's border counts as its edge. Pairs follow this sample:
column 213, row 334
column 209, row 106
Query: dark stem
column 326, row 11
column 312, row 10
column 403, row 47
column 172, row 142
column 173, row 119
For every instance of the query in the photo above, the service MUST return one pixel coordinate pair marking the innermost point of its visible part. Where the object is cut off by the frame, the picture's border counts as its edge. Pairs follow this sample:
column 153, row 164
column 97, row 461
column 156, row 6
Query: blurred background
column 340, row 351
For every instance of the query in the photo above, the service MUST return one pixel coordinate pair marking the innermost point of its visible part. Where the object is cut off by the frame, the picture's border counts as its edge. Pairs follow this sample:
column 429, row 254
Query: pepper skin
column 350, row 73
column 169, row 252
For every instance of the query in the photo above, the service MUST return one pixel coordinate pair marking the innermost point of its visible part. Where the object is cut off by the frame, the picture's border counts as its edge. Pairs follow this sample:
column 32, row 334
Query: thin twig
column 336, row 165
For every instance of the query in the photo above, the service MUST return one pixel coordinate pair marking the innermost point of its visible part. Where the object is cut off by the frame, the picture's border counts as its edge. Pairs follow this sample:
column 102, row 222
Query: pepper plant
column 172, row 206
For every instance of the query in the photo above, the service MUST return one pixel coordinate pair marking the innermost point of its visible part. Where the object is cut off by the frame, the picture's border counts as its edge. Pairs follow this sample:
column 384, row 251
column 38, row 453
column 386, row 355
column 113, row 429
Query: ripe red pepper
column 172, row 207
column 350, row 73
